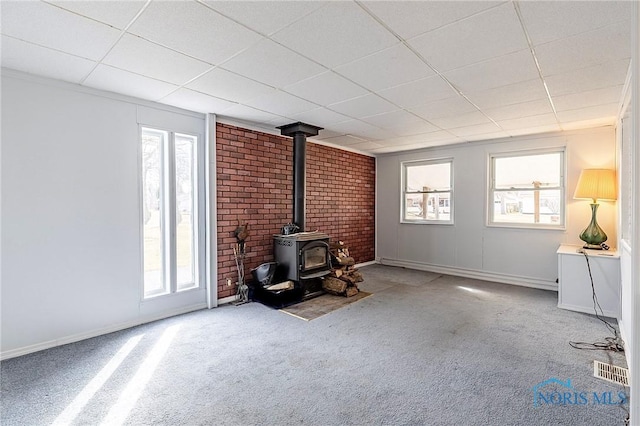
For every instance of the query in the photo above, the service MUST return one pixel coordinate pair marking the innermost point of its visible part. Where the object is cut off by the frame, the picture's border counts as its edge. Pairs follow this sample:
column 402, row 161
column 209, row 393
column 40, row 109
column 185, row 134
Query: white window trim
column 198, row 216
column 563, row 189
column 403, row 191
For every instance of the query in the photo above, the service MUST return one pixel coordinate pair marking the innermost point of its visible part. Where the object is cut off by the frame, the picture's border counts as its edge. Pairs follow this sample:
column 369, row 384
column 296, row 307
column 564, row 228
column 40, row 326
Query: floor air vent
column 611, row 373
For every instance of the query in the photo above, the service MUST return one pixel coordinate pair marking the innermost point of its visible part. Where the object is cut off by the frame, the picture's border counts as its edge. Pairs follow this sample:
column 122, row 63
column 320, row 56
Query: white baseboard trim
column 228, row 299
column 12, row 353
column 360, row 265
column 472, row 273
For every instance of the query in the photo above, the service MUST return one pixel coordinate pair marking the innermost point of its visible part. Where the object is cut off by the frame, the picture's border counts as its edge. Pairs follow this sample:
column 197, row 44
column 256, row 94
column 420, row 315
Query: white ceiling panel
column 197, row 101
column 326, row 134
column 387, row 68
column 366, row 145
column 508, row 69
column 344, row 140
column 525, row 91
column 487, row 136
column 593, row 112
column 142, row 57
column 265, row 17
column 52, row 27
column 336, row 34
column 227, row 85
column 444, row 108
column 460, row 120
column 34, row 59
column 363, row 106
column 401, row 123
column 193, row 29
column 610, row 43
column 326, row 89
column 117, row 13
column 281, row 103
column 476, row 129
column 273, row 65
column 486, row 35
column 526, row 122
column 549, row 21
column 524, row 109
column 419, row 92
column 535, row 130
column 320, row 115
column 585, row 79
column 418, row 17
column 589, row 98
column 361, row 129
column 243, row 112
column 116, row 80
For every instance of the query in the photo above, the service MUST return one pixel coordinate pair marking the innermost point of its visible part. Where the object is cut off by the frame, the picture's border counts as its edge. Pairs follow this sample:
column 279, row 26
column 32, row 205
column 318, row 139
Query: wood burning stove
column 303, row 257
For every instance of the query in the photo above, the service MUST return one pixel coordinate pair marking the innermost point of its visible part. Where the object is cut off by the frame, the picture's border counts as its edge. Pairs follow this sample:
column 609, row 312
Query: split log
column 346, row 261
column 334, row 285
column 351, row 291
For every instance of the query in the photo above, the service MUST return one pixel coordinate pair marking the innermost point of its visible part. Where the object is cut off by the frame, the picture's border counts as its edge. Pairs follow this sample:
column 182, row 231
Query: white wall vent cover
column 611, row 373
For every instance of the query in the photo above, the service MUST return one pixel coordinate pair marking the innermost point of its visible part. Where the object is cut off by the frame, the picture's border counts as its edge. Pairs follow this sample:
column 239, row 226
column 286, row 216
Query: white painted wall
column 469, row 247
column 71, row 236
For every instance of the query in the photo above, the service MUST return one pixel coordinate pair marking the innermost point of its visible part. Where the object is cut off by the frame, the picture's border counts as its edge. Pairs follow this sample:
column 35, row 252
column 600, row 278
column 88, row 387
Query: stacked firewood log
column 344, row 276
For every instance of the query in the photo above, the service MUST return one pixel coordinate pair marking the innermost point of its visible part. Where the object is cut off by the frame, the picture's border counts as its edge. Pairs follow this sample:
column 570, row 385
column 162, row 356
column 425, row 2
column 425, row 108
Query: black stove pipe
column 299, row 131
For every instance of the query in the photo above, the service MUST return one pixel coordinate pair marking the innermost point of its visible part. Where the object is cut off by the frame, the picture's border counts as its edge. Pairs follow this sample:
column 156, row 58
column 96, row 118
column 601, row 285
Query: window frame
column 491, row 172
column 168, row 203
column 405, row 165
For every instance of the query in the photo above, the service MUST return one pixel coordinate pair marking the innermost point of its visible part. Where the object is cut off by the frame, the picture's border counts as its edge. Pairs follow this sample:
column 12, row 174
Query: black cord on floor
column 610, row 343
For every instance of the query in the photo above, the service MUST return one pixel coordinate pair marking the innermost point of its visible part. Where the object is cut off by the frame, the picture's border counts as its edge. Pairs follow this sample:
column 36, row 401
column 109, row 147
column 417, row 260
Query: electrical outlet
column 229, row 282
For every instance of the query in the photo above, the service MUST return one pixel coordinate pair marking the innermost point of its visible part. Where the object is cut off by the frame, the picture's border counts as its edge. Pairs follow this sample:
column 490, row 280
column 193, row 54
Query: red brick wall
column 255, row 186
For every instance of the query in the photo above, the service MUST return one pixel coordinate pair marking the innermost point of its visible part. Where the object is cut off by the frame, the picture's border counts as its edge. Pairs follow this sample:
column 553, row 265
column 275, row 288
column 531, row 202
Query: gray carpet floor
column 424, row 349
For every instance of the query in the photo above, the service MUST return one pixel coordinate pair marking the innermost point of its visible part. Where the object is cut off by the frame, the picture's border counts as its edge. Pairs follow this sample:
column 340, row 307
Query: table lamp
column 595, row 184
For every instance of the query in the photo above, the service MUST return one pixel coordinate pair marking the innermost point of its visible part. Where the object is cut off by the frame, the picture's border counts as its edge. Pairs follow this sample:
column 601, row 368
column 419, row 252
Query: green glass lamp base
column 593, row 235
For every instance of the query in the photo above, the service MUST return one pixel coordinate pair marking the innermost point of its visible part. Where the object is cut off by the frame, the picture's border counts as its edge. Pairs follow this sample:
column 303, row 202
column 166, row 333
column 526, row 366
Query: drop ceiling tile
column 246, row 113
column 265, row 17
column 227, row 85
column 419, row 92
column 193, row 29
column 281, row 103
column 52, row 27
column 321, row 35
column 595, row 77
column 589, row 98
column 535, row 130
column 508, row 69
column 524, row 109
column 417, row 17
column 116, row 80
column 401, row 123
column 273, row 64
column 118, row 14
column 444, row 108
column 145, row 58
column 527, row 122
column 588, row 113
column 196, row 101
column 510, row 94
column 326, row 88
column 344, row 140
column 589, row 124
column 472, row 131
column 387, row 68
column 461, row 120
column 363, row 106
column 547, row 21
column 487, row 136
column 486, row 35
column 34, row 59
column 361, row 129
column 607, row 44
column 320, row 117
column 366, row 145
column 326, row 134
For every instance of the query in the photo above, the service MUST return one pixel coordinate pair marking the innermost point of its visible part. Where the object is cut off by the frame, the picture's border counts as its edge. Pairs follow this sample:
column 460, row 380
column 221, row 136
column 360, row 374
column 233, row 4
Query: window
column 427, row 191
column 169, row 200
column 527, row 189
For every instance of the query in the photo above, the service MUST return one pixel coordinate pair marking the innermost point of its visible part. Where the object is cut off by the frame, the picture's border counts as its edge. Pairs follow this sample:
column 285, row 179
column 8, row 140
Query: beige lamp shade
column 597, row 184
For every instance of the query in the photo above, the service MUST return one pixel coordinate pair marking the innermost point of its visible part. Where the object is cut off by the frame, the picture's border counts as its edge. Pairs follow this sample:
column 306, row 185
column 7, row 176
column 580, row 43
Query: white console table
column 574, row 285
